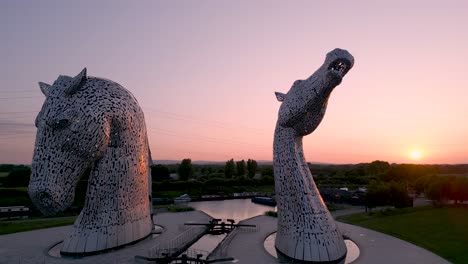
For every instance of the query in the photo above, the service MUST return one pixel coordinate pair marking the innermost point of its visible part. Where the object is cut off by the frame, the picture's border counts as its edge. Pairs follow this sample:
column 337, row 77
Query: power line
column 224, row 125
column 25, row 112
column 204, row 138
column 20, row 97
column 19, row 91
column 173, row 116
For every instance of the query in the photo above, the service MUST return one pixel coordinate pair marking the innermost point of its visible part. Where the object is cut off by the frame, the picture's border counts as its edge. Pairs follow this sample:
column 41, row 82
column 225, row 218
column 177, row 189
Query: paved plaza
column 246, row 245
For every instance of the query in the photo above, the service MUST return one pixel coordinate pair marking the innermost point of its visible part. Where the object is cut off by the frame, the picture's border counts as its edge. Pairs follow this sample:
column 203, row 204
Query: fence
column 179, row 243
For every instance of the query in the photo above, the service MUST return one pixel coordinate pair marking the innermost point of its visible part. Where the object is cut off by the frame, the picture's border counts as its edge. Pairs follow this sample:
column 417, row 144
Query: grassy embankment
column 442, row 230
column 9, row 227
column 14, row 226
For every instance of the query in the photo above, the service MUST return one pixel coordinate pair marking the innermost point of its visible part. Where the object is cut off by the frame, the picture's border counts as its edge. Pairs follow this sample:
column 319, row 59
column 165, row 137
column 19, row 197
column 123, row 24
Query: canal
column 237, row 209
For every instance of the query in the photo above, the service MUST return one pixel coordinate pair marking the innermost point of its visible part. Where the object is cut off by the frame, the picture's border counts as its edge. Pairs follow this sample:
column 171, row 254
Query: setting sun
column 415, row 155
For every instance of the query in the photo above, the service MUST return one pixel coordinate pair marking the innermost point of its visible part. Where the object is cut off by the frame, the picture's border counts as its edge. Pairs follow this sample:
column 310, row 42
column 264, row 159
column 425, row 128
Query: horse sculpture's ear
column 45, row 88
column 76, row 83
column 280, row 96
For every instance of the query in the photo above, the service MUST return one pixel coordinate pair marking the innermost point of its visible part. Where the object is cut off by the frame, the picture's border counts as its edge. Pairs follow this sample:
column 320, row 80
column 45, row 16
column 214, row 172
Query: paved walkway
column 247, row 247
column 32, row 246
column 244, row 244
column 379, row 248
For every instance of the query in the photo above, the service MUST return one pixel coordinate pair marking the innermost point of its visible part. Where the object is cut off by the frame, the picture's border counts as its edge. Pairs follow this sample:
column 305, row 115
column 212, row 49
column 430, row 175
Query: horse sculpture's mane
column 93, row 124
column 306, row 229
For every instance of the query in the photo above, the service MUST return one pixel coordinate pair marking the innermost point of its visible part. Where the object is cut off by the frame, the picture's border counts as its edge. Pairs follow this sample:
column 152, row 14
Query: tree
column 458, row 189
column 6, row 167
column 229, row 169
column 185, row 169
column 377, row 167
column 240, row 165
column 18, row 177
column 251, row 168
column 268, row 171
column 160, row 173
column 438, row 189
column 399, row 195
column 377, row 194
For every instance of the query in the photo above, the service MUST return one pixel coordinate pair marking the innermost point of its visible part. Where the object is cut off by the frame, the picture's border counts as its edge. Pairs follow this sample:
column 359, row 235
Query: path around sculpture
column 32, row 246
column 245, row 246
column 375, row 247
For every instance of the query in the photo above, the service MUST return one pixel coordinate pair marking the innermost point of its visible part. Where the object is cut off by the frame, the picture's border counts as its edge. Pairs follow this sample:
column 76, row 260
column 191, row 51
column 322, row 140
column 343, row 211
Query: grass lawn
column 8, row 227
column 442, row 230
column 21, row 189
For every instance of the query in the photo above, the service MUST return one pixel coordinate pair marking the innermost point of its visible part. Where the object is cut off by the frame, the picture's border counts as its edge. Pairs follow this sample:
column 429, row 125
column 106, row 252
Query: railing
column 221, row 250
column 178, row 243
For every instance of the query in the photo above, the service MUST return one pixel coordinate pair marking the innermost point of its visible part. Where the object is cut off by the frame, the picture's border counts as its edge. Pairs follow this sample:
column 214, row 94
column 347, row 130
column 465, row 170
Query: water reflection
column 238, row 209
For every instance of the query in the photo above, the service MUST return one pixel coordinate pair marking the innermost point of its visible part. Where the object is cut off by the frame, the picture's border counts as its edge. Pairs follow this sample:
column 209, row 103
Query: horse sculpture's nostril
column 44, row 201
column 44, row 196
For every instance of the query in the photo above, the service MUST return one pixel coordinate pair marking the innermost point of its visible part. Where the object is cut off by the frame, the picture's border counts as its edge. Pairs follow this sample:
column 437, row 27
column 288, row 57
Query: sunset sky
column 205, row 73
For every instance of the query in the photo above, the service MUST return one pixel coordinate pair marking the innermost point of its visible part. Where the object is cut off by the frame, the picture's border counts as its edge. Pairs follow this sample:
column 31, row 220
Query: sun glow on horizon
column 415, row 155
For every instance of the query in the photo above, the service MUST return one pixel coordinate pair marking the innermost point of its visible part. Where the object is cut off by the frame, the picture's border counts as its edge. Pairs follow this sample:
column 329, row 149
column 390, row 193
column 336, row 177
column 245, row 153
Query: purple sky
column 205, row 73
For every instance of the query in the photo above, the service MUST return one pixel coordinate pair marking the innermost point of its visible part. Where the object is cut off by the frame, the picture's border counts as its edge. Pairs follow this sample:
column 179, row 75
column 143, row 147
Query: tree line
column 187, row 170
column 387, row 184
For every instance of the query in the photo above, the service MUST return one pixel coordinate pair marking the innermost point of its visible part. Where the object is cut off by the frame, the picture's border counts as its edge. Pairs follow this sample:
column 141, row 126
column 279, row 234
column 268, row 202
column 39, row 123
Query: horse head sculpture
column 95, row 125
column 306, row 229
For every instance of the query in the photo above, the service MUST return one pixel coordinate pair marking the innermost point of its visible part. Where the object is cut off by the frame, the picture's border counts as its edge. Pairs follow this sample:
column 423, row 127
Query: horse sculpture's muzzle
column 49, row 202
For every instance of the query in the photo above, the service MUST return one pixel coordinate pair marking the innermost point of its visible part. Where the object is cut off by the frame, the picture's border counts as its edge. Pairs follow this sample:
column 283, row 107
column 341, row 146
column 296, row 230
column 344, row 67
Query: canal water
column 237, row 209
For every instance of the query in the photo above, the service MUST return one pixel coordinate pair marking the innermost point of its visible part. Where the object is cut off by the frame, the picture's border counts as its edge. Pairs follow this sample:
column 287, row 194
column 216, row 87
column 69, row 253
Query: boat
column 264, row 200
column 183, row 199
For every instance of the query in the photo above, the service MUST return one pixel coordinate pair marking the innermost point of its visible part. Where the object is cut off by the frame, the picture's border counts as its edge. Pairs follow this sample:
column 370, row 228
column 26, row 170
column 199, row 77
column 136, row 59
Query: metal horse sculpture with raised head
column 92, row 124
column 306, row 229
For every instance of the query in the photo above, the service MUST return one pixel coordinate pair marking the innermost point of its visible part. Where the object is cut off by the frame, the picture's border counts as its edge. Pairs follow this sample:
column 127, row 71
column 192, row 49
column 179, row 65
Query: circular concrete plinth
column 54, row 250
column 352, row 255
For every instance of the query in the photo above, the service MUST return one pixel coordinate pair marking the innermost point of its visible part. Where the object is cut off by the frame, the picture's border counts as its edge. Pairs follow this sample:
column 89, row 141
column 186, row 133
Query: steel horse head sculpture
column 306, row 229
column 95, row 125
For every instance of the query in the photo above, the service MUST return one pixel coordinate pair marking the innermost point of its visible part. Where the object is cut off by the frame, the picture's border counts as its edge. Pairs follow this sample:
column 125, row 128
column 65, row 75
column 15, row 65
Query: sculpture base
column 73, row 255
column 283, row 258
column 352, row 249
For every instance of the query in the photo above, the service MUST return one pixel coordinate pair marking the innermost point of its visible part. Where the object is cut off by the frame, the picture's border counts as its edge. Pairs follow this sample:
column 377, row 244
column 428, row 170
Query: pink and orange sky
column 205, row 73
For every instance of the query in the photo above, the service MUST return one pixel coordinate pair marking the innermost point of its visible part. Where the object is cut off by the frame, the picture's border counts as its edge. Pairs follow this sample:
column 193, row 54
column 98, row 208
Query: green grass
column 9, row 227
column 21, row 189
column 271, row 213
column 3, row 174
column 442, row 230
column 174, row 208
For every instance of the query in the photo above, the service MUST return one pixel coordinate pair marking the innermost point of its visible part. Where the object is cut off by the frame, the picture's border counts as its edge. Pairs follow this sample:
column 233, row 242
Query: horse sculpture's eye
column 61, row 123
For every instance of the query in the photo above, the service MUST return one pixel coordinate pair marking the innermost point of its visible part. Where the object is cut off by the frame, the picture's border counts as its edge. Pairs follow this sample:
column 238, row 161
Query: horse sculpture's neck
column 306, row 230
column 287, row 150
column 117, row 208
